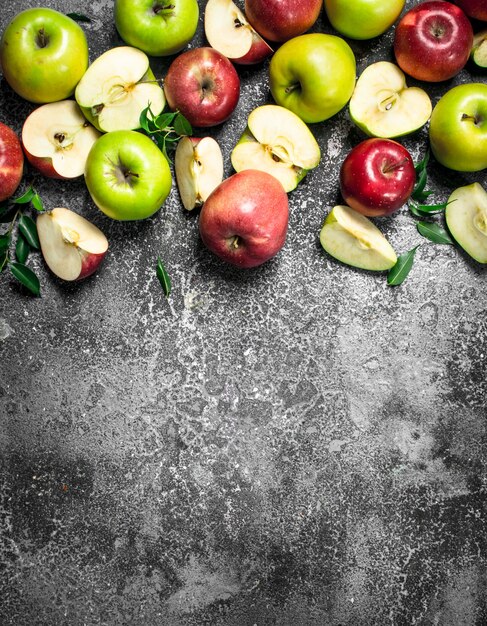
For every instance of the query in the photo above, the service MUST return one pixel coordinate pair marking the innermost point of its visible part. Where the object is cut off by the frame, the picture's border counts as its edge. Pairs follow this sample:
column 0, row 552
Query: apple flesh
column 280, row 20
column 478, row 53
column 72, row 247
column 363, row 19
column 466, row 218
column 11, row 162
column 473, row 8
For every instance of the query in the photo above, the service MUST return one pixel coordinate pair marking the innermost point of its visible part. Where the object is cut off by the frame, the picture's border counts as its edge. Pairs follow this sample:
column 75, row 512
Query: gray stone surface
column 298, row 444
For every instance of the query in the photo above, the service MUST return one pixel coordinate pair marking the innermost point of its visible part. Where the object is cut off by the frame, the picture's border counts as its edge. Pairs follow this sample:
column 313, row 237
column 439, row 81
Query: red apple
column 203, row 85
column 11, row 162
column 377, row 177
column 280, row 20
column 433, row 41
column 474, row 8
column 244, row 220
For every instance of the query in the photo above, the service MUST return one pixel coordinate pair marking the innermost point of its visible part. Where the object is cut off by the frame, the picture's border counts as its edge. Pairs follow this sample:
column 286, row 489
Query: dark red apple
column 280, row 20
column 244, row 220
column 377, row 177
column 203, row 85
column 474, row 8
column 433, row 41
column 11, row 162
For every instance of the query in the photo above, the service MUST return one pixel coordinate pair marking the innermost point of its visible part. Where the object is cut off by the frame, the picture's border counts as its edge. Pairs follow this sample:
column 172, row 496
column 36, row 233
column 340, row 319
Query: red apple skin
column 89, row 263
column 259, row 51
column 42, row 165
column 476, row 9
column 244, row 220
column 280, row 20
column 203, row 85
column 433, row 41
column 377, row 177
column 11, row 162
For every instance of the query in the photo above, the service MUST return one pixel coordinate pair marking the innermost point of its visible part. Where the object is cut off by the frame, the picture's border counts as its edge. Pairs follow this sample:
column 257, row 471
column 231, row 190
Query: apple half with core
column 116, row 88
column 352, row 238
column 11, row 162
column 229, row 32
column 198, row 164
column 278, row 142
column 382, row 105
column 127, row 175
column 244, row 220
column 280, row 20
column 72, row 247
column 478, row 53
column 363, row 19
column 466, row 218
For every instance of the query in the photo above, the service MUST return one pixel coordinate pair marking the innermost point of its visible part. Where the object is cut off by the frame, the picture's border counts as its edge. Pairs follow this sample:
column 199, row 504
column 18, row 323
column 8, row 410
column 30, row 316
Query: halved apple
column 278, row 142
column 72, row 247
column 466, row 218
column 228, row 31
column 382, row 105
column 198, row 163
column 353, row 239
column 56, row 138
column 117, row 87
column 479, row 49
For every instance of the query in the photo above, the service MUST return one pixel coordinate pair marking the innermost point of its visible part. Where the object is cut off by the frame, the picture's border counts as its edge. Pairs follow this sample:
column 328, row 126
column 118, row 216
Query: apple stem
column 159, row 8
column 394, row 166
column 235, row 242
column 476, row 120
column 42, row 39
column 293, row 87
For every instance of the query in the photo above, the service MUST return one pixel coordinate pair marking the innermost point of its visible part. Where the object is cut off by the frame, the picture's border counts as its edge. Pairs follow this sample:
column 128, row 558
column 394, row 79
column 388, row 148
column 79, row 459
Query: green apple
column 363, row 19
column 313, row 75
column 43, row 54
column 478, row 53
column 157, row 27
column 458, row 128
column 466, row 218
column 382, row 105
column 127, row 175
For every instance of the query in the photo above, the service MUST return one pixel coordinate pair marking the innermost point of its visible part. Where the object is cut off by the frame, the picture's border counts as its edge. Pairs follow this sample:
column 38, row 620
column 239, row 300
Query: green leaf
column 26, row 197
column 26, row 276
column 181, row 125
column 37, row 202
column 401, row 269
column 22, row 249
column 144, row 119
column 434, row 232
column 164, row 120
column 423, row 163
column 163, row 277
column 4, row 242
column 78, row 17
column 28, row 228
column 420, row 185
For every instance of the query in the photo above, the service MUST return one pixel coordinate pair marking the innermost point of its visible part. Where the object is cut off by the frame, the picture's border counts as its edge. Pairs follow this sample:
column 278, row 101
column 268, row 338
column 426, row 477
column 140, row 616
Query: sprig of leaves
column 163, row 277
column 166, row 129
column 398, row 273
column 419, row 192
column 434, row 232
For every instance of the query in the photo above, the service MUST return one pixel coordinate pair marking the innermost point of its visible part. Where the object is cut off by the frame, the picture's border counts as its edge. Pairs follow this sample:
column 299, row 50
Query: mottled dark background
column 299, row 444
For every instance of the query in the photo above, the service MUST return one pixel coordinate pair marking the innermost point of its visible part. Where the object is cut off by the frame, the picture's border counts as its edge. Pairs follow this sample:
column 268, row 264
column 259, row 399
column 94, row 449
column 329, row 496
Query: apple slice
column 198, row 163
column 382, row 105
column 278, row 142
column 353, row 239
column 56, row 138
column 479, row 49
column 228, row 31
column 466, row 218
column 72, row 247
column 117, row 87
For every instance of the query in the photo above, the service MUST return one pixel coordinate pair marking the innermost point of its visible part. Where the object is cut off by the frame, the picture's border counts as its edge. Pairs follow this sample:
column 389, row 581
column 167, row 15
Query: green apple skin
column 127, row 175
column 363, row 19
column 313, row 76
column 43, row 54
column 154, row 30
column 458, row 128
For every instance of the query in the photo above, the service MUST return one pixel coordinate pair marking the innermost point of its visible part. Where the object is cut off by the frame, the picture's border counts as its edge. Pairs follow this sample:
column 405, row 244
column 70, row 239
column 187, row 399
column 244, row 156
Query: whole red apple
column 377, row 177
column 433, row 41
column 11, row 162
column 280, row 20
column 244, row 220
column 474, row 8
column 203, row 85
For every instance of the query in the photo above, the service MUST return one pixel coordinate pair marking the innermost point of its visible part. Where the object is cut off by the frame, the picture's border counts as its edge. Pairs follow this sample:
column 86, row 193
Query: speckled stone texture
column 295, row 445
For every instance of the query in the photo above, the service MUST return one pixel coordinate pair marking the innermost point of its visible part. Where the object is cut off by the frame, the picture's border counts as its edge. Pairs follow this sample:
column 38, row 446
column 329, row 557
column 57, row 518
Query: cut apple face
column 466, row 218
column 117, row 87
column 479, row 49
column 353, row 239
column 382, row 105
column 198, row 164
column 72, row 246
column 278, row 142
column 228, row 31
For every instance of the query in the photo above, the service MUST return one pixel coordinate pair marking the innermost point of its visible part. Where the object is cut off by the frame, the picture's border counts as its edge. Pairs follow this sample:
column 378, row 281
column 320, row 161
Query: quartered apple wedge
column 479, row 49
column 466, row 218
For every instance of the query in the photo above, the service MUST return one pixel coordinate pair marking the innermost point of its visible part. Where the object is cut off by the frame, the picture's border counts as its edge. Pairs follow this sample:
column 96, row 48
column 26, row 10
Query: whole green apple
column 156, row 27
column 43, row 54
column 127, row 175
column 313, row 75
column 363, row 19
column 458, row 128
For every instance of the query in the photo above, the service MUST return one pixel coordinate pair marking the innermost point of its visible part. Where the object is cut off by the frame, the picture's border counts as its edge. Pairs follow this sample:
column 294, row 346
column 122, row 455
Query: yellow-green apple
column 203, row 85
column 43, row 54
column 382, row 104
column 363, row 19
column 473, row 8
column 11, row 162
column 466, row 218
column 478, row 53
column 157, row 27
column 278, row 142
column 352, row 238
column 72, row 247
column 198, row 164
column 433, row 41
column 313, row 75
column 377, row 177
column 458, row 128
column 280, row 20
column 244, row 220
column 127, row 175
column 228, row 31
column 57, row 138
column 117, row 87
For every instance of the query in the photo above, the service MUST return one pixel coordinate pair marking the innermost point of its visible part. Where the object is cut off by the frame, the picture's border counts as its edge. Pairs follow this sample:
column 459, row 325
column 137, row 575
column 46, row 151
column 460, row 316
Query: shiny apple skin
column 476, row 9
column 377, row 177
column 11, row 162
column 281, row 20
